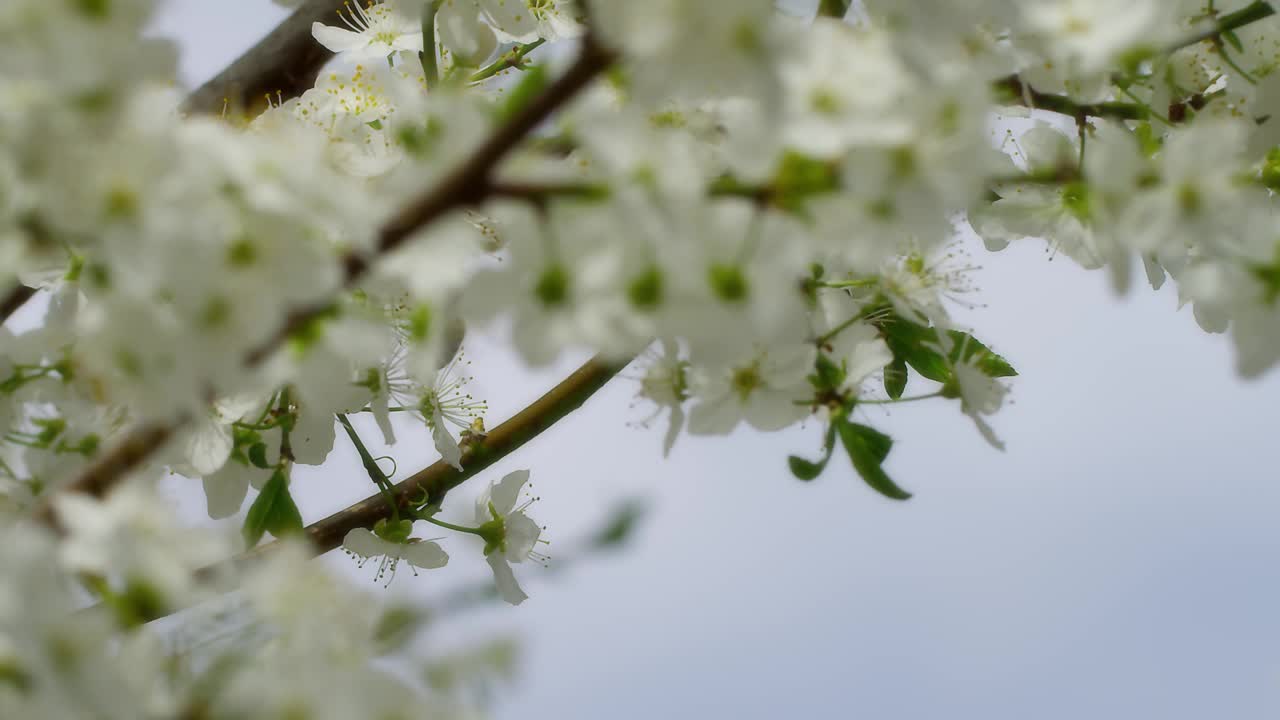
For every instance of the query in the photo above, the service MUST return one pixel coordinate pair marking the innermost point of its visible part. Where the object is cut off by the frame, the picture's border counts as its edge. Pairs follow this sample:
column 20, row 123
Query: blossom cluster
column 764, row 207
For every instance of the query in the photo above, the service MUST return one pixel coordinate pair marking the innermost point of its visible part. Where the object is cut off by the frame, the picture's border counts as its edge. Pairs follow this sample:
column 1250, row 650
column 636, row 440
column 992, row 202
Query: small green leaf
column 827, row 375
column 809, row 470
column 868, row 448
column 806, row 470
column 620, row 527
column 916, row 344
column 273, row 511
column 258, row 455
column 895, row 378
column 966, row 348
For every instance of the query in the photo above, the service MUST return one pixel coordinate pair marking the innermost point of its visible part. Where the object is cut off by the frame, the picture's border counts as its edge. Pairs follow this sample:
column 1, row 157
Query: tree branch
column 434, row 482
column 467, row 184
column 284, row 63
column 1019, row 93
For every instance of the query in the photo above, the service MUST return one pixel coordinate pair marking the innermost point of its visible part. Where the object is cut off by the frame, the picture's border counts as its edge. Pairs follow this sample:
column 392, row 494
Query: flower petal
column 336, row 39
column 426, row 555
column 364, row 543
column 506, row 492
column 508, row 588
column 448, row 448
column 225, row 489
column 522, row 536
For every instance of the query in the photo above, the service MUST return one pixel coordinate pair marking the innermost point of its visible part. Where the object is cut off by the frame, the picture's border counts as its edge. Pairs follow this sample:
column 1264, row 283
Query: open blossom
column 766, row 389
column 511, row 536
column 374, row 31
column 390, row 543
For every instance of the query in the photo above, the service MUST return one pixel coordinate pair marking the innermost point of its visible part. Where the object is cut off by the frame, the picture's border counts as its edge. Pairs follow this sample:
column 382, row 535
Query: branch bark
column 285, row 62
column 435, row 481
column 14, row 299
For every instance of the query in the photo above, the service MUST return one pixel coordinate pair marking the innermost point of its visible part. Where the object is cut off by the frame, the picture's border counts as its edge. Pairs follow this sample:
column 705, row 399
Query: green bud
column 646, row 290
column 553, row 287
column 728, row 283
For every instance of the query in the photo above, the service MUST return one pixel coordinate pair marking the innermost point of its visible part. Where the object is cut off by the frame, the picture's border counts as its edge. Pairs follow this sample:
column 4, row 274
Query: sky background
column 1117, row 561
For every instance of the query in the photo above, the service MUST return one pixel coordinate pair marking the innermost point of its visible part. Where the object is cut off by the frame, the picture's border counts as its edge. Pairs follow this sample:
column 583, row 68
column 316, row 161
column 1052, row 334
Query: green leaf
column 917, row 345
column 809, row 470
column 895, row 378
column 620, row 527
column 273, row 511
column 868, row 448
column 531, row 85
column 827, row 375
column 966, row 348
column 258, row 455
column 806, row 470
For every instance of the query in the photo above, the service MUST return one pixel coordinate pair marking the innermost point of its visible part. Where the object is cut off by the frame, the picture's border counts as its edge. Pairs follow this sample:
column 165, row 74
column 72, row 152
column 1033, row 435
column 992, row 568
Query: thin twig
column 433, row 483
column 1019, row 93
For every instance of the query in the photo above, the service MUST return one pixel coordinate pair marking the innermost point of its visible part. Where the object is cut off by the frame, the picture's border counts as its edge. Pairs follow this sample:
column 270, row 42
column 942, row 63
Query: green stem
column 915, row 398
column 1222, row 51
column 1252, row 13
column 1138, row 101
column 284, row 408
column 513, row 58
column 371, row 467
column 1019, row 93
column 842, row 284
column 430, row 65
column 824, row 339
column 450, row 526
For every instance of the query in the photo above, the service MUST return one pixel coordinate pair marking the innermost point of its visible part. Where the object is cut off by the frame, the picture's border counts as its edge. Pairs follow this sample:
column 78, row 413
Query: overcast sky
column 1119, row 560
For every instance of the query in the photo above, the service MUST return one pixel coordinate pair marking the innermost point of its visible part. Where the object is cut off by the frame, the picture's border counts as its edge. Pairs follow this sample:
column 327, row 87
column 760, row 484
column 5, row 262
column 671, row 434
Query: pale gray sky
column 1117, row 561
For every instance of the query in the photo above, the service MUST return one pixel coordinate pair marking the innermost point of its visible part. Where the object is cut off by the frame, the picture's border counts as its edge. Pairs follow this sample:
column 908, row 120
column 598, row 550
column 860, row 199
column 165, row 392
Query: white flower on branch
column 510, row 535
column 373, row 31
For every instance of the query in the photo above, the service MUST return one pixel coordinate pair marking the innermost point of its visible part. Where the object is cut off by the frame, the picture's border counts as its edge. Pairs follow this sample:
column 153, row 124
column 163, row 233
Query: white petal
column 382, row 415
column 461, row 31
column 508, row 588
column 715, row 416
column 208, row 446
column 336, row 39
column 448, row 448
column 673, row 429
column 225, row 489
column 312, row 437
column 522, row 536
column 364, row 543
column 426, row 555
column 506, row 492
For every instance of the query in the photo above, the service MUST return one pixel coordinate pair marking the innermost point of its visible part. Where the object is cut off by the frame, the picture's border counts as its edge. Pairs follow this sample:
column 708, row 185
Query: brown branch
column 14, row 299
column 106, row 470
column 1016, row 92
column 467, row 184
column 434, row 482
column 283, row 64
